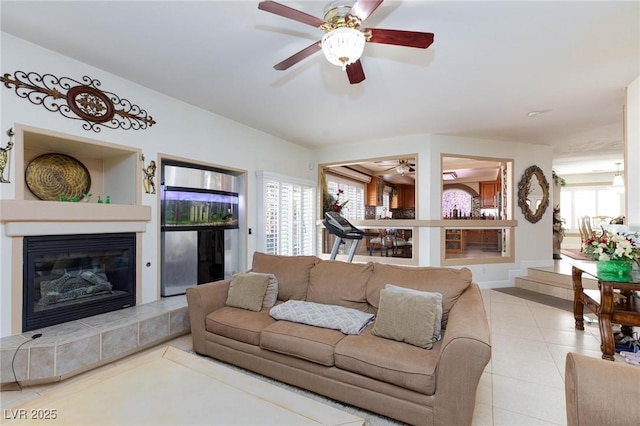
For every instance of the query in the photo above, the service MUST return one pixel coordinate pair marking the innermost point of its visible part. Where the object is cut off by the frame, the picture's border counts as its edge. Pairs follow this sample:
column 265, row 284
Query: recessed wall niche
column 113, row 168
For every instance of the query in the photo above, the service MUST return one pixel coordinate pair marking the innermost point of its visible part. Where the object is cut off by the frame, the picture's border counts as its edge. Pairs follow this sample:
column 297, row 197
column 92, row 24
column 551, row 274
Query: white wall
column 181, row 130
column 632, row 154
column 533, row 242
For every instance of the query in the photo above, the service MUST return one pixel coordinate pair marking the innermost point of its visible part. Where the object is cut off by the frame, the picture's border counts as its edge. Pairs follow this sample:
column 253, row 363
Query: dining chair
column 400, row 243
column 584, row 225
column 587, row 226
column 383, row 242
column 600, row 222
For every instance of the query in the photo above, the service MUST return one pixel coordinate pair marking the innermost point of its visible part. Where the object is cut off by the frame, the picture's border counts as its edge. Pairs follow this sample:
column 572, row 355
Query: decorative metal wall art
column 4, row 156
column 79, row 100
column 149, row 175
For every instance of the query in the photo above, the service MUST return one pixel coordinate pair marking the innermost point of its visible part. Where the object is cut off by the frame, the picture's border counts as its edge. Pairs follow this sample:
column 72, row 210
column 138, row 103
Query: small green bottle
column 108, row 200
column 99, row 200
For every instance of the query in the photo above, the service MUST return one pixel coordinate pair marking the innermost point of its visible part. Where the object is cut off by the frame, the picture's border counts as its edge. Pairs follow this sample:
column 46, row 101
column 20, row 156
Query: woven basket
column 51, row 176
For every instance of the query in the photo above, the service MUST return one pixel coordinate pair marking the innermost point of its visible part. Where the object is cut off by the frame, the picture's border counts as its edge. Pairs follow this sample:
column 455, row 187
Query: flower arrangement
column 610, row 246
column 337, row 205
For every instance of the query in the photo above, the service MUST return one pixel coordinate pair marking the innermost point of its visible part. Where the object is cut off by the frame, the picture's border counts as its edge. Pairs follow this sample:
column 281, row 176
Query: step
column 552, row 281
column 548, row 276
column 549, row 289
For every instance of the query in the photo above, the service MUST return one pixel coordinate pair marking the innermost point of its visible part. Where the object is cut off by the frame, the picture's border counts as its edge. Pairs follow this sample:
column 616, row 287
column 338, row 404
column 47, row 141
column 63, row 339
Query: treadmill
column 343, row 230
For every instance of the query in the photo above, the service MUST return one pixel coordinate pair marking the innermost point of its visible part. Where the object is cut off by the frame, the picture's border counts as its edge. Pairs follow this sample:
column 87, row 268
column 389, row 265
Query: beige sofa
column 600, row 392
column 414, row 385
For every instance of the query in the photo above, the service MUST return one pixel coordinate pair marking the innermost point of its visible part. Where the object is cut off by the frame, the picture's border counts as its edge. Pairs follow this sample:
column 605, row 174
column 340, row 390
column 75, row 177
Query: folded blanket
column 347, row 320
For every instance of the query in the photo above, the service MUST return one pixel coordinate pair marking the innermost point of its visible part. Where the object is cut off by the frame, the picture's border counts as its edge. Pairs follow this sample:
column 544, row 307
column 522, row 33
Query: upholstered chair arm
column 202, row 300
column 600, row 392
column 466, row 350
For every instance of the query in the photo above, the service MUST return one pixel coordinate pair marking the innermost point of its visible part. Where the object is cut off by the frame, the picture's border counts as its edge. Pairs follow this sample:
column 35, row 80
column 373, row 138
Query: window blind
column 285, row 225
column 352, row 191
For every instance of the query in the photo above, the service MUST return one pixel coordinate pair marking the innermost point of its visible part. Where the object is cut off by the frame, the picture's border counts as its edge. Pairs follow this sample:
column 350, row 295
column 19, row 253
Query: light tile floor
column 523, row 383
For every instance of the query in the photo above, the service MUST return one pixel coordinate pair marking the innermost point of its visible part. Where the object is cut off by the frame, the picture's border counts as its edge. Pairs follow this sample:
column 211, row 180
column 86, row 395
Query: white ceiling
column 490, row 64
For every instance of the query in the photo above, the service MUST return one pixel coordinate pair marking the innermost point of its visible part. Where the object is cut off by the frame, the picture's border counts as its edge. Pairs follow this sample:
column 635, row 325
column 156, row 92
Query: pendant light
column 618, row 181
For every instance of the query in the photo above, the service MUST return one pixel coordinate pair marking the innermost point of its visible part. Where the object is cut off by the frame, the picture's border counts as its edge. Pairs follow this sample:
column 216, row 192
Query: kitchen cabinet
column 474, row 236
column 405, row 197
column 488, row 237
column 455, row 240
column 488, row 192
column 409, row 197
column 375, row 192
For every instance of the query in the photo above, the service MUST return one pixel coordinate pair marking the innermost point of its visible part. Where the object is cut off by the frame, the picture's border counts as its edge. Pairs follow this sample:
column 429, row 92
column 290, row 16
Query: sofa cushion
column 238, row 324
column 339, row 283
column 449, row 282
column 301, row 341
column 247, row 291
column 393, row 362
column 407, row 317
column 437, row 332
column 292, row 273
column 346, row 320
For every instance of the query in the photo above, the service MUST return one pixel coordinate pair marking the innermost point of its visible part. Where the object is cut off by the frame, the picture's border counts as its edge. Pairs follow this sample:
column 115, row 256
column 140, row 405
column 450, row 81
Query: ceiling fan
column 344, row 41
column 402, row 167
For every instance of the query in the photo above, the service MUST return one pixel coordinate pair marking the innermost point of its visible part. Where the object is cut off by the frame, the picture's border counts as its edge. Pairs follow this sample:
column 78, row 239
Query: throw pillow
column 247, row 291
column 271, row 295
column 438, row 330
column 451, row 282
column 405, row 317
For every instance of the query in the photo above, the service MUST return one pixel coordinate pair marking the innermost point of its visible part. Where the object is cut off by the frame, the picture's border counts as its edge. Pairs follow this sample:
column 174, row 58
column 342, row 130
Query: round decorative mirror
column 533, row 194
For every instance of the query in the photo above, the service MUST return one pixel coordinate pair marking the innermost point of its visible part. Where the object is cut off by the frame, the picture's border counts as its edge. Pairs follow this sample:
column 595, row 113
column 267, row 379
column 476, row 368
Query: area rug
column 555, row 302
column 575, row 254
column 371, row 419
column 173, row 387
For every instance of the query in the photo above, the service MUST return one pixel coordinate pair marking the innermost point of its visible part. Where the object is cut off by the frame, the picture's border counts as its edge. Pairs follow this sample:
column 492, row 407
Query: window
column 476, row 188
column 596, row 200
column 285, row 223
column 383, row 210
column 352, row 191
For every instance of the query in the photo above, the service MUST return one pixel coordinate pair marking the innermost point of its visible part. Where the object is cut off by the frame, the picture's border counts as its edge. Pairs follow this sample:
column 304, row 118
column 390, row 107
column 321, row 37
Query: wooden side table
column 602, row 303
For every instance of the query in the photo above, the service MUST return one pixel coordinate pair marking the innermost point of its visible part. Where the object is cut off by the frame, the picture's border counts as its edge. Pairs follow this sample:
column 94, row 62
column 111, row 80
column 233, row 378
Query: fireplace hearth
column 69, row 277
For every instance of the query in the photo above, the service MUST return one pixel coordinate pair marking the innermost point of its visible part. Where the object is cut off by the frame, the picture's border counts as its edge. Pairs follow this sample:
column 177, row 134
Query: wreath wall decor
column 79, row 100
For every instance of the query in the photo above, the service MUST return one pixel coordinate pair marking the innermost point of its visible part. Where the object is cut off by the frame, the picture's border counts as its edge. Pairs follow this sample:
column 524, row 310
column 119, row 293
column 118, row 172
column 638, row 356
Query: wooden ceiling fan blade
column 363, row 8
column 294, row 59
column 355, row 72
column 291, row 13
column 401, row 37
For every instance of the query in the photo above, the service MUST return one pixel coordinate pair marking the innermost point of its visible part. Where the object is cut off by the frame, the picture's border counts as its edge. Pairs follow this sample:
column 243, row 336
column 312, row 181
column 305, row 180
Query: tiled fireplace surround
column 70, row 348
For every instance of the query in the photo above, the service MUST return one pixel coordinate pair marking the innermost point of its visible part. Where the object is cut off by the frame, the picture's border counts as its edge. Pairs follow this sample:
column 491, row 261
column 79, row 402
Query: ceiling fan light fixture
column 403, row 168
column 343, row 46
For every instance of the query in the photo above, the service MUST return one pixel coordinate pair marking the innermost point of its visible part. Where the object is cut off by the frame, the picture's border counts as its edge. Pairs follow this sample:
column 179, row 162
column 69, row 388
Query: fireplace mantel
column 26, row 217
column 116, row 172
